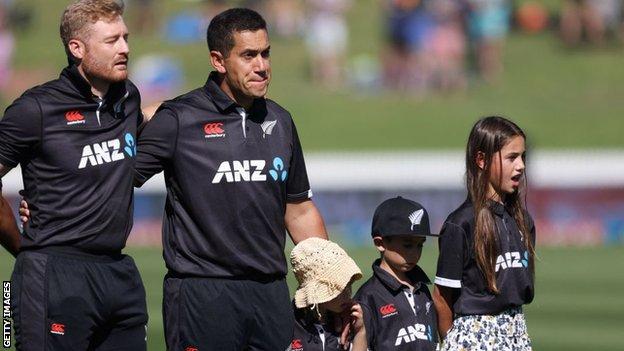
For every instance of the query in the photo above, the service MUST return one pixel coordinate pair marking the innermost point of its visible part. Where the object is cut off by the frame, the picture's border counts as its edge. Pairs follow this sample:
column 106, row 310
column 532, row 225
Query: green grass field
column 578, row 303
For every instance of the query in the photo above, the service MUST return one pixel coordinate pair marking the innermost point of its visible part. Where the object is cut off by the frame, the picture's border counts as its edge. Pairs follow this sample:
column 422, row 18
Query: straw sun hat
column 323, row 269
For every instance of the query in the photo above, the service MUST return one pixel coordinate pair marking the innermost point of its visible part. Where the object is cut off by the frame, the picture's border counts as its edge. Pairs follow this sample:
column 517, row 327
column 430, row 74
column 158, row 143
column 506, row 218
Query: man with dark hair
column 236, row 181
column 74, row 138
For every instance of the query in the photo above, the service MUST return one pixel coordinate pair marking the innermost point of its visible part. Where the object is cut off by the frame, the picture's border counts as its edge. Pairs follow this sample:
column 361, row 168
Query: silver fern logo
column 267, row 127
column 415, row 218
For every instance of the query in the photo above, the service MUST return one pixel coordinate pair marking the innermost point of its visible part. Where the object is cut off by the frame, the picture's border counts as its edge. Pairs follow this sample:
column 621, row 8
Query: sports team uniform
column 397, row 318
column 499, row 316
column 73, row 289
column 309, row 335
column 229, row 174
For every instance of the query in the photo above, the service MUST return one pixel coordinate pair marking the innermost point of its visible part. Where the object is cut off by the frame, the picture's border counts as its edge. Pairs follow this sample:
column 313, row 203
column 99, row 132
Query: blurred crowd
column 430, row 46
column 434, row 45
column 7, row 43
column 441, row 45
column 591, row 21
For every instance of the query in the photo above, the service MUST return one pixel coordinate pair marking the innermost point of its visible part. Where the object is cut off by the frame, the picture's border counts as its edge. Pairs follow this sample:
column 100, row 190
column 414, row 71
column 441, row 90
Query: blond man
column 74, row 138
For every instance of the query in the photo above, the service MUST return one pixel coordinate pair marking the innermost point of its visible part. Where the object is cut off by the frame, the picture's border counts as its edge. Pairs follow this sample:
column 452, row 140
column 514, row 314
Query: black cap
column 399, row 216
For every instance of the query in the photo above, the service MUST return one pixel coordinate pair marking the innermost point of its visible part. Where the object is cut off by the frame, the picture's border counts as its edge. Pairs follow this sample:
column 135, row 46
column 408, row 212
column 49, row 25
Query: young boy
column 397, row 305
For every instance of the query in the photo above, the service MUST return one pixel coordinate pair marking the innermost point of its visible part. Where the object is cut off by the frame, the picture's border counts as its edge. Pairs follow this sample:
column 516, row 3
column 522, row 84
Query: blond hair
column 81, row 13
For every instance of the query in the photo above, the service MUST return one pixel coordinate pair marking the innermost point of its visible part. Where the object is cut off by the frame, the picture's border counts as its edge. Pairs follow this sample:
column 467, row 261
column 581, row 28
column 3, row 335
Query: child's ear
column 379, row 244
column 480, row 160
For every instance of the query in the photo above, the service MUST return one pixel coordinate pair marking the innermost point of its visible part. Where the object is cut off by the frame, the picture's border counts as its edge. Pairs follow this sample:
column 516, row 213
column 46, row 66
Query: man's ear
column 379, row 244
column 480, row 160
column 77, row 48
column 218, row 61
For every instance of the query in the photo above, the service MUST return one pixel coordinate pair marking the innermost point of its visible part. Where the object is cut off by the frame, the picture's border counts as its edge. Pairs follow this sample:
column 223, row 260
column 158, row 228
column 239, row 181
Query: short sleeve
column 20, row 131
column 451, row 258
column 298, row 185
column 156, row 145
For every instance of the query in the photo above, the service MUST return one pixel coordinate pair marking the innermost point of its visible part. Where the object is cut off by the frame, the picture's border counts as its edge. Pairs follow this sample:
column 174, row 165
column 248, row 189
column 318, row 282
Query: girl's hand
column 353, row 324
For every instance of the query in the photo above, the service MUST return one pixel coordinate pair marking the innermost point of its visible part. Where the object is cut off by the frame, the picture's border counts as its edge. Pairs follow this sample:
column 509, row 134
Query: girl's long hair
column 488, row 136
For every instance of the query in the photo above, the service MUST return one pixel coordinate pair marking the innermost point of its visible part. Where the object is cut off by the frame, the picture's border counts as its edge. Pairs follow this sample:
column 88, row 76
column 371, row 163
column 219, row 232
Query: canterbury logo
column 57, row 328
column 387, row 310
column 416, row 217
column 296, row 345
column 267, row 127
column 191, row 348
column 214, row 130
column 74, row 117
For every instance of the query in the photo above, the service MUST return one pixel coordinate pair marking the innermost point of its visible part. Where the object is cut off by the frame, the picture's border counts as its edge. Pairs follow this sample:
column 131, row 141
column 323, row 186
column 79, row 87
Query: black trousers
column 80, row 302
column 227, row 315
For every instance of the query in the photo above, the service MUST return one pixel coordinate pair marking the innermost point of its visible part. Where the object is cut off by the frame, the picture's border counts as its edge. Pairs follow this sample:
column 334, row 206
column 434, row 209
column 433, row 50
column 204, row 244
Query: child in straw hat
column 326, row 318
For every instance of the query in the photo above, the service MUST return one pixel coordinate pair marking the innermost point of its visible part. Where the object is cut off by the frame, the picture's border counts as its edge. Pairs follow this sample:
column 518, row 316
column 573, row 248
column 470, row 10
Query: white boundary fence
column 418, row 170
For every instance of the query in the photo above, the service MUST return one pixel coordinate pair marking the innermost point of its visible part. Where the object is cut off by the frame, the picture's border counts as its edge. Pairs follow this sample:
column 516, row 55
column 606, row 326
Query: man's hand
column 24, row 212
column 149, row 111
column 9, row 234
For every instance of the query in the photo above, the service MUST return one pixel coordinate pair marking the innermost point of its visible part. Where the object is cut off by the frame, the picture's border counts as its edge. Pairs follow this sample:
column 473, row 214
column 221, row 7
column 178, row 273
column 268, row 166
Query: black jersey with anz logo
column 397, row 317
column 457, row 265
column 229, row 174
column 77, row 156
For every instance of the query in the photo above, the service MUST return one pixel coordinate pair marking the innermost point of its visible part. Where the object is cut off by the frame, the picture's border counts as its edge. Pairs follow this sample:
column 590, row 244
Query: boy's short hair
column 82, row 13
column 220, row 34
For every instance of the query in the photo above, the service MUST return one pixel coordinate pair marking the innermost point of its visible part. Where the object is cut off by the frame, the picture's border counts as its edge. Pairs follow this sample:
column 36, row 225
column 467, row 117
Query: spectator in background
column 409, row 26
column 446, row 51
column 610, row 13
column 286, row 16
column 578, row 17
column 592, row 18
column 488, row 25
column 327, row 37
column 7, row 44
column 144, row 17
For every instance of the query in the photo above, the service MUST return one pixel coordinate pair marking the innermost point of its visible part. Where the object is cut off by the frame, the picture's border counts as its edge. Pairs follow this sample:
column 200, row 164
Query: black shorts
column 227, row 315
column 63, row 301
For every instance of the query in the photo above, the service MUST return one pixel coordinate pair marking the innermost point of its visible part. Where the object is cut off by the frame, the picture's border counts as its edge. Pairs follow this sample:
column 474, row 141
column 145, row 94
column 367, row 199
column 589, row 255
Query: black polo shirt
column 457, row 266
column 77, row 156
column 391, row 321
column 309, row 335
column 229, row 174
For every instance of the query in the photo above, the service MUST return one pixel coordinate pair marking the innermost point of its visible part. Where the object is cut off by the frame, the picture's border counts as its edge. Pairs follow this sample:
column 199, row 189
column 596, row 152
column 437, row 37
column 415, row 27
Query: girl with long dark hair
column 486, row 265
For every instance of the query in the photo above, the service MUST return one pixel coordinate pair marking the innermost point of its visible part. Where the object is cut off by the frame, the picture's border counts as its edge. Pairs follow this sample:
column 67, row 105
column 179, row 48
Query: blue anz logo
column 412, row 333
column 249, row 171
column 107, row 151
column 278, row 172
column 525, row 259
column 130, row 148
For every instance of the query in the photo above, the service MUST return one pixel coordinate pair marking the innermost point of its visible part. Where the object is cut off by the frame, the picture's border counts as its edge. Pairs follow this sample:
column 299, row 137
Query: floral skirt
column 505, row 331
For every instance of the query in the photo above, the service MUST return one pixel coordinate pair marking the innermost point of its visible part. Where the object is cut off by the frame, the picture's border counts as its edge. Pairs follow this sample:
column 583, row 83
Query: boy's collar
column 416, row 275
